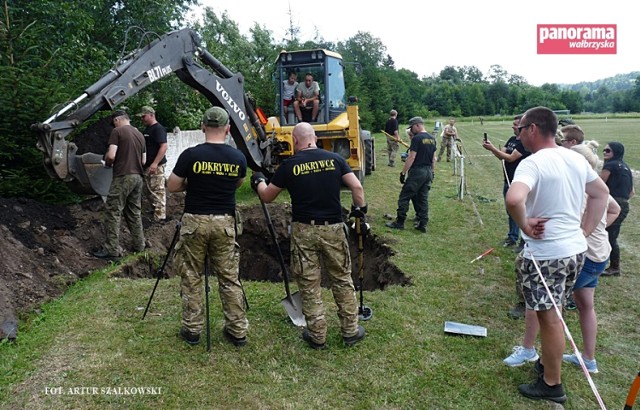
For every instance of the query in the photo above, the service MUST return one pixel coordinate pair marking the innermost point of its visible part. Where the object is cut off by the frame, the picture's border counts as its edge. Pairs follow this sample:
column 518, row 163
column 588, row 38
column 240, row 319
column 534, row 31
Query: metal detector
column 292, row 302
column 364, row 312
column 160, row 272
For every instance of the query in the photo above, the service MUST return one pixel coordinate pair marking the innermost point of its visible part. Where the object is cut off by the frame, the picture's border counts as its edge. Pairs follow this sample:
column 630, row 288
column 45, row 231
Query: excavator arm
column 178, row 53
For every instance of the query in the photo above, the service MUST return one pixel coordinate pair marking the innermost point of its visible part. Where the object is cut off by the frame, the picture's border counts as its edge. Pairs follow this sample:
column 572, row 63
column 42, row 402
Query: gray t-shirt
column 310, row 91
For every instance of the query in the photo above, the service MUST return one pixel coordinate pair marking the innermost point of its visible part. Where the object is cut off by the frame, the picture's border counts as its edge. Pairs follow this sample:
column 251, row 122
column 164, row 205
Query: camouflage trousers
column 314, row 247
column 154, row 185
column 445, row 143
column 212, row 235
column 124, row 199
column 392, row 149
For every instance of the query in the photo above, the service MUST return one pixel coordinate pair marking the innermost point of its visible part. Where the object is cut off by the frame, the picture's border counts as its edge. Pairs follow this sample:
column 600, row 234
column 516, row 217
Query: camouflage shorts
column 559, row 274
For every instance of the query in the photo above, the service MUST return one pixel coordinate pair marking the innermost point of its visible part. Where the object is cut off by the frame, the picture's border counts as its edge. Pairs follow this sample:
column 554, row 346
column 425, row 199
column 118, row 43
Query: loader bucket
column 92, row 177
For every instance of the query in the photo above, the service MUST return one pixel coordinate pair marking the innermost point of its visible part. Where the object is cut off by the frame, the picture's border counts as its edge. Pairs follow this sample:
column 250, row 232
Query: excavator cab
column 326, row 68
column 337, row 124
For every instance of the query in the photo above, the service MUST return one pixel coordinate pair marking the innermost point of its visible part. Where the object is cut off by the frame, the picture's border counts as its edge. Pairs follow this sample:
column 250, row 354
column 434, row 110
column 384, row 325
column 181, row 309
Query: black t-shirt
column 391, row 127
column 424, row 146
column 514, row 144
column 313, row 178
column 154, row 135
column 620, row 181
column 212, row 172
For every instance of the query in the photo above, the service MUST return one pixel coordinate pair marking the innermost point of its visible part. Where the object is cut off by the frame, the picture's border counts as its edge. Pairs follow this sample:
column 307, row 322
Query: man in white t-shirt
column 289, row 90
column 545, row 200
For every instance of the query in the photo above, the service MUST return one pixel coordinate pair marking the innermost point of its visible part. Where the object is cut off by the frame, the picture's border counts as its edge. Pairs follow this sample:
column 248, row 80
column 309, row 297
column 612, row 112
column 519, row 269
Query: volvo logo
column 232, row 104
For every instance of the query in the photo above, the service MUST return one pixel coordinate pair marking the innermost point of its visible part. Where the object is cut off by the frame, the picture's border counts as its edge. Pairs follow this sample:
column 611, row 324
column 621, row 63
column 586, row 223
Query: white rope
column 568, row 333
column 506, row 176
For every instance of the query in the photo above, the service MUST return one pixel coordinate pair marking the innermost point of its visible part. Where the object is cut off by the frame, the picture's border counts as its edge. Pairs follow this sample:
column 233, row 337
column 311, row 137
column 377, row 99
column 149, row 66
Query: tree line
column 51, row 50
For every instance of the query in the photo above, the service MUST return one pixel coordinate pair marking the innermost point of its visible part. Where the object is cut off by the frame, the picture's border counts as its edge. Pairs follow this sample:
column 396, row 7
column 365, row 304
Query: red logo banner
column 577, row 39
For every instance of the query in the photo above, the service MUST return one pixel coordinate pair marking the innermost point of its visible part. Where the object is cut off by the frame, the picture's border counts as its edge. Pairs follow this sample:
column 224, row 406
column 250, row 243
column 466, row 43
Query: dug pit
column 46, row 248
column 259, row 259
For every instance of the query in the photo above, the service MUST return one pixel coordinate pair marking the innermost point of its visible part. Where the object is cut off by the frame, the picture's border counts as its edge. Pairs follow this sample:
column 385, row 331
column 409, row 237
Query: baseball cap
column 415, row 120
column 146, row 110
column 215, row 117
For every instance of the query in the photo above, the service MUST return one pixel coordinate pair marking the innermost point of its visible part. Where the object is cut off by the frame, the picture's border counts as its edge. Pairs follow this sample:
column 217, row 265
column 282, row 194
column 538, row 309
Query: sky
column 425, row 37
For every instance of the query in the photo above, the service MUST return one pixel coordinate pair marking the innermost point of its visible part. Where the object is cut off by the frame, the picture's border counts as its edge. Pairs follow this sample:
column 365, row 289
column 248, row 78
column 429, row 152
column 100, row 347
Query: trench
column 259, row 259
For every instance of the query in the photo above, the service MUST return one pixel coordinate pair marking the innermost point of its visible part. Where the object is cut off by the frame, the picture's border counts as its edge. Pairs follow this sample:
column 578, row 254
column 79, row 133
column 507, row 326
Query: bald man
column 314, row 177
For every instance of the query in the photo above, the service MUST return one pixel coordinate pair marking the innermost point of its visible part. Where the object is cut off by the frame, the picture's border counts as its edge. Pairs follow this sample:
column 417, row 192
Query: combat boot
column 397, row 224
column 613, row 269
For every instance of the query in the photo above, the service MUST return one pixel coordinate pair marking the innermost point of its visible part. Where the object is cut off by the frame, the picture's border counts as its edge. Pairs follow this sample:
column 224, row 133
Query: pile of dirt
column 46, row 248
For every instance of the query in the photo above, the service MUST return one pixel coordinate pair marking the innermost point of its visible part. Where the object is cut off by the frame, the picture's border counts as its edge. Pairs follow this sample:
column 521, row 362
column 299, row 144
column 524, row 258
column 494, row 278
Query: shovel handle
column 272, row 231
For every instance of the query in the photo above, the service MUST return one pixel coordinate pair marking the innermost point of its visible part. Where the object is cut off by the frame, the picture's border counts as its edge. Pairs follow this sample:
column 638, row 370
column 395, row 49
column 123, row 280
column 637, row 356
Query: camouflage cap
column 146, row 110
column 215, row 117
column 415, row 120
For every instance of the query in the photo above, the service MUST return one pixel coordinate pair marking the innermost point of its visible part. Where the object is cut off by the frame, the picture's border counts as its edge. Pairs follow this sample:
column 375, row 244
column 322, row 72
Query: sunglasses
column 607, row 150
column 522, row 127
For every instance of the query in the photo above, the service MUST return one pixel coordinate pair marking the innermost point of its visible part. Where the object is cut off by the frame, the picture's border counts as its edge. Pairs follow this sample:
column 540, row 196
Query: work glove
column 358, row 211
column 256, row 178
column 402, row 178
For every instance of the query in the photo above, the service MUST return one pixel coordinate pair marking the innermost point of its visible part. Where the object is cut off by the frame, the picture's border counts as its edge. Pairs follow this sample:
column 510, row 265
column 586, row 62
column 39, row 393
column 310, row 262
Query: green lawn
column 93, row 337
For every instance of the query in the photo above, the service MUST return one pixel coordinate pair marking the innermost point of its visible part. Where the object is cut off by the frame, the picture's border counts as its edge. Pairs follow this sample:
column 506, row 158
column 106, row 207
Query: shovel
column 364, row 312
column 292, row 302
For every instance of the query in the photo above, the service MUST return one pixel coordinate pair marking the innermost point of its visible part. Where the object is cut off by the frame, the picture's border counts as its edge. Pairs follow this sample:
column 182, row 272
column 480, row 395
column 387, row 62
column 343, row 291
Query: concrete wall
column 179, row 141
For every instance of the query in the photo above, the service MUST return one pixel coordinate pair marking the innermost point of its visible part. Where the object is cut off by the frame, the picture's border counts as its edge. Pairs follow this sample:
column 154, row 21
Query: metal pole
column 206, row 292
column 160, row 271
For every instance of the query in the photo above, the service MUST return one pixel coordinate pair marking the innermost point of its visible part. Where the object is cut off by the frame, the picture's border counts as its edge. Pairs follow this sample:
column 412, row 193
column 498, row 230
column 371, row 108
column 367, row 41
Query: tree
column 46, row 62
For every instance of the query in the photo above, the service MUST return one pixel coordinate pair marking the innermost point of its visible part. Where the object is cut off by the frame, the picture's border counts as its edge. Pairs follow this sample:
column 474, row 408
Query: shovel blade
column 293, row 306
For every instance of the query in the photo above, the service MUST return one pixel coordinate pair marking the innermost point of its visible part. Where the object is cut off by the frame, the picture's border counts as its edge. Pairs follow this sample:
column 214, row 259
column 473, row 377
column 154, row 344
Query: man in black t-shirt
column 155, row 137
column 210, row 173
column 511, row 154
column 314, row 177
column 420, row 166
column 391, row 128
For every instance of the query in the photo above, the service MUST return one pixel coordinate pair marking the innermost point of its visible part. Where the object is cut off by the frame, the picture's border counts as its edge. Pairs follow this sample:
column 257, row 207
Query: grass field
column 93, row 336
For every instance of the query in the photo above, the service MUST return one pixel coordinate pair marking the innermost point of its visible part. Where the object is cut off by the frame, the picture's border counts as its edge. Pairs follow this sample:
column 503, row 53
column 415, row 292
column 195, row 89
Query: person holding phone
column 511, row 155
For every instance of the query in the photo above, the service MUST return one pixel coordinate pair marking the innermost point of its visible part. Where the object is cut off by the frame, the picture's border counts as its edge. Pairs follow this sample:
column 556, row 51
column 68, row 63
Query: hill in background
column 619, row 82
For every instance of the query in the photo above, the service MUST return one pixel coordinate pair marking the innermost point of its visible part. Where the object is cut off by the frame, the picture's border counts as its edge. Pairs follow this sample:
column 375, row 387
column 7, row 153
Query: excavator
column 265, row 142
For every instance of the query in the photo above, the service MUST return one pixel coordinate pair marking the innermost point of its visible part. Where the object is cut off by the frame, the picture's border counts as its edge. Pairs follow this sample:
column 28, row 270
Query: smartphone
column 485, row 137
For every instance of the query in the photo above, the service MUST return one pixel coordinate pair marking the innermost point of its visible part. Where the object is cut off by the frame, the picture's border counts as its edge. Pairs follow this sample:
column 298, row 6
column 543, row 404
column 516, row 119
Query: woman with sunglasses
column 618, row 177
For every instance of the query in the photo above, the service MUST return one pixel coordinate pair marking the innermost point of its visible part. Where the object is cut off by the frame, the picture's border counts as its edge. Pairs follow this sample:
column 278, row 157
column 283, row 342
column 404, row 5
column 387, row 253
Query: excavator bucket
column 92, row 177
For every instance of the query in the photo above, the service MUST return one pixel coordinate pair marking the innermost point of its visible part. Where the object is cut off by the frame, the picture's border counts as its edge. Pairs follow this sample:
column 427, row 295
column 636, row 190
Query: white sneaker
column 520, row 356
column 591, row 365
